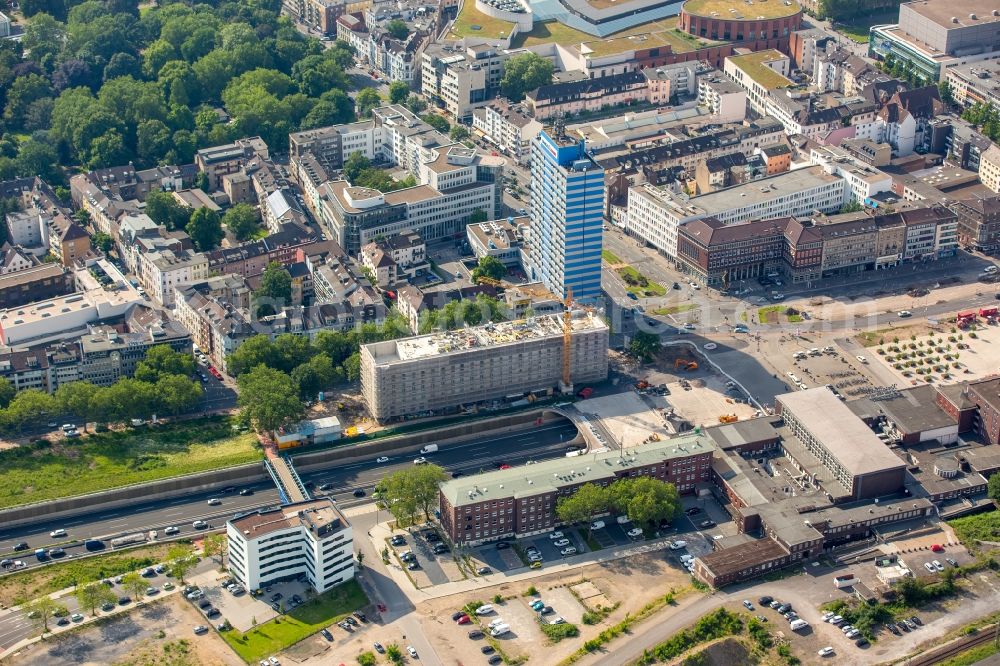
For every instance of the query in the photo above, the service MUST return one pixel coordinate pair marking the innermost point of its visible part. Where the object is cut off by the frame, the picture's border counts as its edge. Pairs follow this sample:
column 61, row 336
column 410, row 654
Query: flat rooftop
column 744, row 556
column 754, row 66
column 843, row 434
column 942, row 11
column 741, row 10
column 757, row 191
column 320, row 516
column 488, row 335
column 913, row 410
column 550, row 475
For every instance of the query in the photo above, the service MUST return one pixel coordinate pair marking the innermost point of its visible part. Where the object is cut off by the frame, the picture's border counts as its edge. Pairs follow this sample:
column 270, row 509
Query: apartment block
column 989, row 168
column 230, row 158
column 508, row 126
column 42, row 368
column 722, row 97
column 978, row 222
column 396, row 258
column 440, row 372
column 108, row 355
column 311, row 538
column 977, row 83
column 459, row 79
column 522, row 502
column 586, row 95
column 760, row 74
column 567, row 213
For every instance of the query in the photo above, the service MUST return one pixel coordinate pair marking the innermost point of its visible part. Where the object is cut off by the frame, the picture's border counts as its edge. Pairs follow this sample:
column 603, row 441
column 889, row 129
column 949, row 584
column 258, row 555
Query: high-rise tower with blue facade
column 567, row 216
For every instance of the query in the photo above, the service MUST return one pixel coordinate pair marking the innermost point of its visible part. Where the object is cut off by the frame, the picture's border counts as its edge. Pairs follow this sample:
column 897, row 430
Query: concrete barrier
column 176, row 486
column 252, row 473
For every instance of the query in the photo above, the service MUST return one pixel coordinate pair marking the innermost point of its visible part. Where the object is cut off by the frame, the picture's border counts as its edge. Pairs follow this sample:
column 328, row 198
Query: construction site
column 448, row 371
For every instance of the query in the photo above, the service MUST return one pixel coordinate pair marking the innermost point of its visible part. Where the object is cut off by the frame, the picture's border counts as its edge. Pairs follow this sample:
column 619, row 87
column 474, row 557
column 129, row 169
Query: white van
column 499, row 630
column 798, row 624
column 430, row 448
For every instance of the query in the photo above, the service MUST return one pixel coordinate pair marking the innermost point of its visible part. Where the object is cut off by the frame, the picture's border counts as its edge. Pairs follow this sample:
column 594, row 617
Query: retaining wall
column 253, row 473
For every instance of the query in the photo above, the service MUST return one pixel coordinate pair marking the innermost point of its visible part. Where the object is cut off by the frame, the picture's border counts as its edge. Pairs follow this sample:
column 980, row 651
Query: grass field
column 858, row 29
column 488, row 27
column 610, row 257
column 973, row 656
column 36, row 473
column 673, row 309
column 982, row 526
column 287, row 630
column 19, row 587
column 644, row 36
column 769, row 314
column 631, row 278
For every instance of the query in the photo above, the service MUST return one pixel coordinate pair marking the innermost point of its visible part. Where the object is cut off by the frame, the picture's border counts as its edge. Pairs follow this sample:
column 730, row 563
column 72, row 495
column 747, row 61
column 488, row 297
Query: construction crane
column 567, row 318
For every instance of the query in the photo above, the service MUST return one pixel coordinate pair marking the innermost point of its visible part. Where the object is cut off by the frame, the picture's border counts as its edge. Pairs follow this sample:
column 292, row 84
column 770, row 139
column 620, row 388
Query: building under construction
column 442, row 371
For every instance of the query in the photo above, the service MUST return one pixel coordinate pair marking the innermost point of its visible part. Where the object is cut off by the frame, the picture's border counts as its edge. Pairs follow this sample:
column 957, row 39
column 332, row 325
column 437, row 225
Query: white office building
column 311, row 538
column 654, row 214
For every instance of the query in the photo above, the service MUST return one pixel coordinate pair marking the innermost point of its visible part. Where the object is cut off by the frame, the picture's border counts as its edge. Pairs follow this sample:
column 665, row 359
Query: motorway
column 469, row 458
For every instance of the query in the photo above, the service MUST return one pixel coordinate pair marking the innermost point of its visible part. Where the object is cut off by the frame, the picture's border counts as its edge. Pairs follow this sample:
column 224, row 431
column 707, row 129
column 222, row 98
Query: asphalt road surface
column 471, row 457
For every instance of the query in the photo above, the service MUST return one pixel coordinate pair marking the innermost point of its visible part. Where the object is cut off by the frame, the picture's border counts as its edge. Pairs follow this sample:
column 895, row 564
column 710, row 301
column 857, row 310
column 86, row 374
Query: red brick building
column 758, row 26
column 522, row 501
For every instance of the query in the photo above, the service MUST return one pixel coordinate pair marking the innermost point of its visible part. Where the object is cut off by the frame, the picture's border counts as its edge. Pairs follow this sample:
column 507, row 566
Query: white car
column 827, row 615
column 420, row 461
column 556, row 535
column 710, row 346
column 677, row 545
column 560, row 542
column 568, row 550
column 861, row 358
column 903, row 314
column 938, row 565
column 695, row 286
column 56, row 534
column 597, row 525
column 836, row 619
column 635, row 533
column 825, row 652
column 485, row 609
column 382, row 459
column 929, row 567
column 412, row 650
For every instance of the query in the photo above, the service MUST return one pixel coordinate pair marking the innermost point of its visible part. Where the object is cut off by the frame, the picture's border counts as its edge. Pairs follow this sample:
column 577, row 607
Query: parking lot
column 432, row 568
column 818, row 366
column 244, row 610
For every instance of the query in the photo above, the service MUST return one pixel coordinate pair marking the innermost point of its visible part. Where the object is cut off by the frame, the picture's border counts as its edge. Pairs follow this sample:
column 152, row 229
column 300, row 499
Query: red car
column 504, row 466
column 937, row 548
column 464, row 620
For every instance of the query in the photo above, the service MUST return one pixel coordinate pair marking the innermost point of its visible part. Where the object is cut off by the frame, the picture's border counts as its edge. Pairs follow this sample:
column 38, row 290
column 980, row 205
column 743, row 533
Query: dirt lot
column 134, row 638
column 630, row 583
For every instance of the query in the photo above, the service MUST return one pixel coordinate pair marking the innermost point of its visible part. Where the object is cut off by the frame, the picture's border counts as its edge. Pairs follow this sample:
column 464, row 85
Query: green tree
column 216, row 545
column 645, row 345
column 489, row 267
column 459, row 133
column 424, row 484
column 40, row 611
column 398, row 92
column 993, row 488
column 275, row 290
column 102, row 241
column 7, row 392
column 352, row 367
column 416, row 104
column 477, row 216
column 397, row 495
column 160, row 361
column 178, row 394
column 944, row 91
column 164, row 209
column 366, row 100
column 355, row 164
column 436, row 121
column 268, row 399
column 524, row 73
column 30, row 405
column 586, row 501
column 644, row 499
column 94, row 595
column 397, row 28
column 205, row 229
column 851, row 207
column 242, row 220
column 315, row 375
column 77, row 398
column 182, row 559
column 134, row 585
column 258, row 350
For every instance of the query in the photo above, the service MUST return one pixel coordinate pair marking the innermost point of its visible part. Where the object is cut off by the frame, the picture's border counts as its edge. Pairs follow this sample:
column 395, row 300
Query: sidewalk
column 380, row 532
